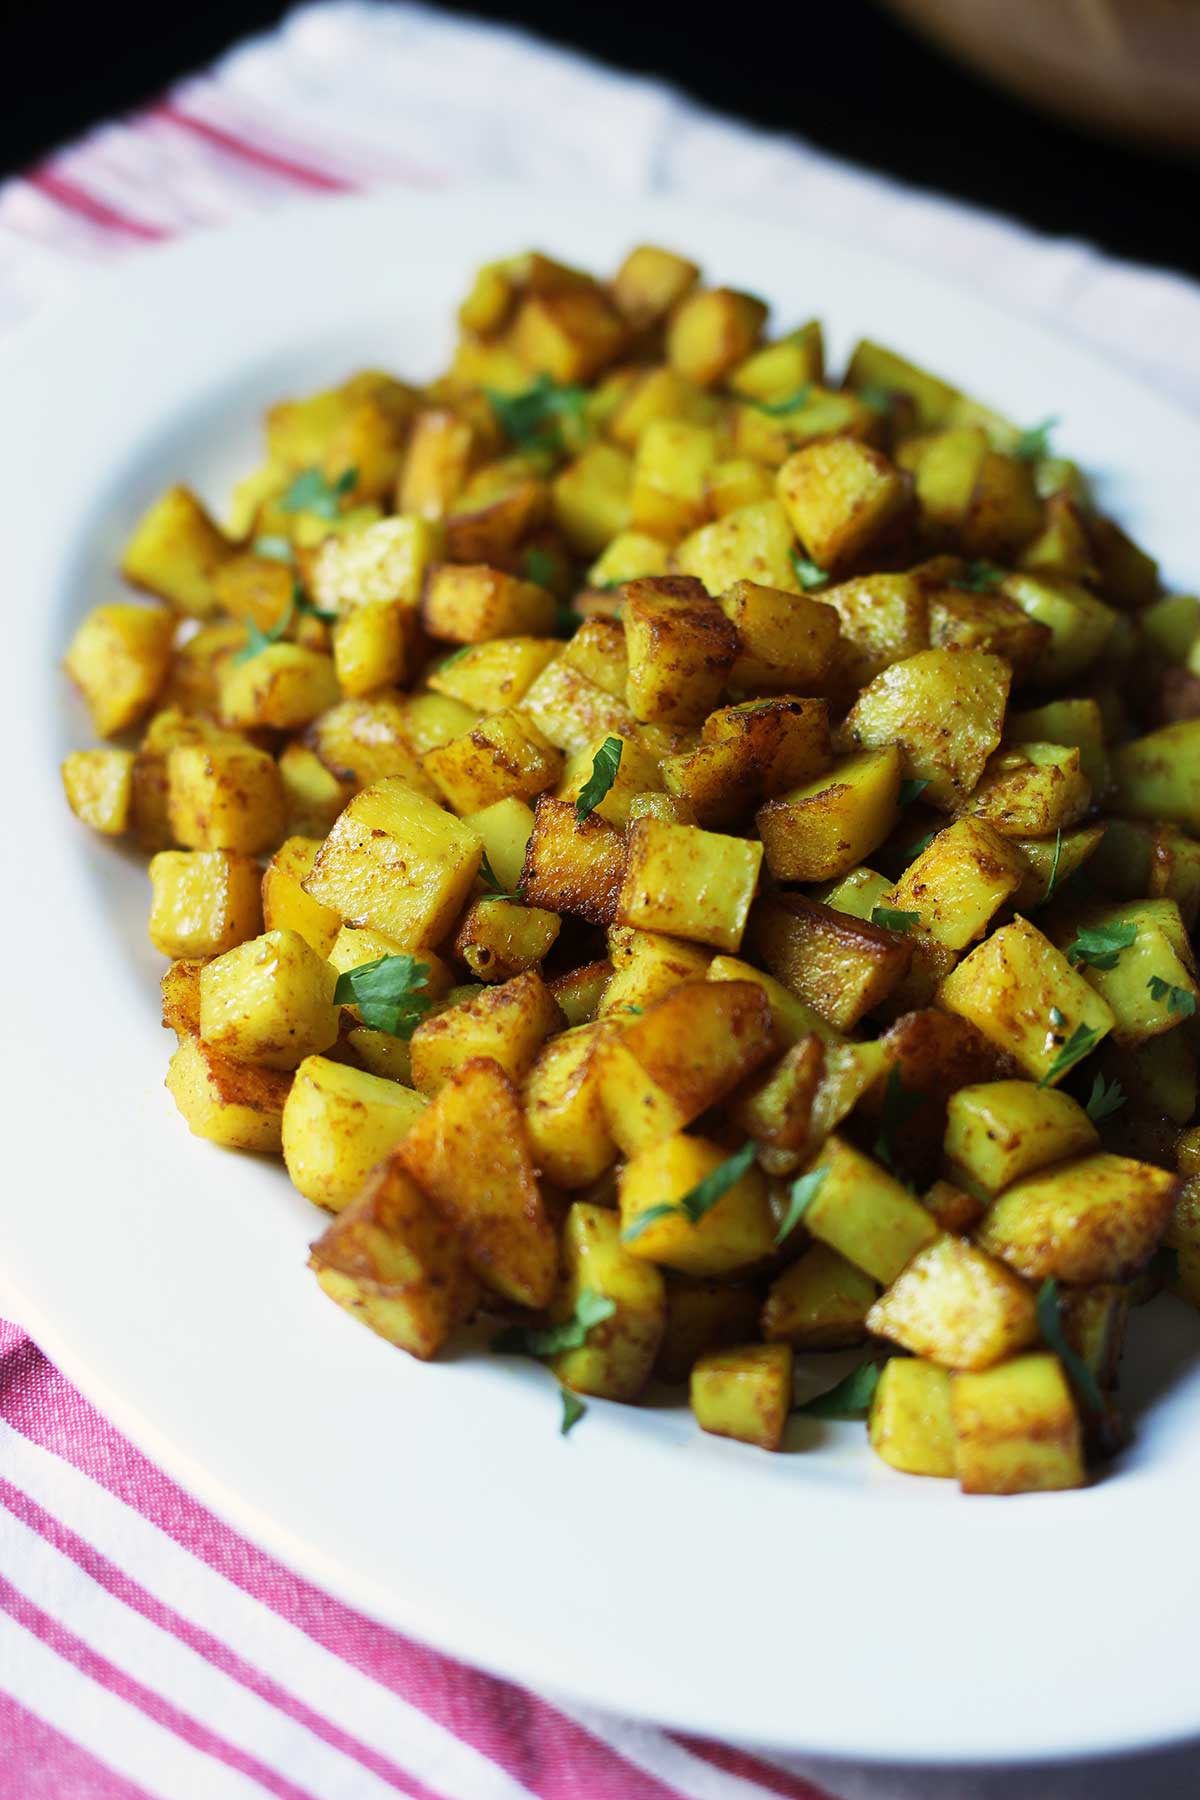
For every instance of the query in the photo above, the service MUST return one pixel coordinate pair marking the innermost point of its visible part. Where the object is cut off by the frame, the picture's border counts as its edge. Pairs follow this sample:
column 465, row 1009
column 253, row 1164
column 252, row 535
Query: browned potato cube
column 498, row 938
column 647, row 965
column 689, row 883
column 175, row 552
column 757, row 748
column 573, row 865
column 840, row 966
column 1015, row 1428
column 989, row 622
column 507, row 1024
column 205, row 901
column 230, row 1103
column 396, row 861
column 649, row 282
column 502, row 757
column 468, row 603
column 283, row 687
column 681, row 648
column 569, row 336
column 269, row 1001
column 883, row 619
column 372, row 647
column 744, row 1393
column 1097, row 1218
column 286, row 906
column 840, row 496
column 820, row 1302
column 957, row 1307
column 829, row 825
column 786, row 642
column 944, row 708
column 99, row 788
column 225, row 796
column 361, row 741
column 180, row 990
column 711, row 331
column 118, row 659
column 442, row 450
column 564, row 1109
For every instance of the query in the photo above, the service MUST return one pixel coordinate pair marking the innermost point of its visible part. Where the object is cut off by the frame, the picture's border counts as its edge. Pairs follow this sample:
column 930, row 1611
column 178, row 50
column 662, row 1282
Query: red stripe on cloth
column 97, row 1668
column 77, row 199
column 54, row 1767
column 238, row 146
column 527, row 1737
column 132, row 1594
column 768, row 1776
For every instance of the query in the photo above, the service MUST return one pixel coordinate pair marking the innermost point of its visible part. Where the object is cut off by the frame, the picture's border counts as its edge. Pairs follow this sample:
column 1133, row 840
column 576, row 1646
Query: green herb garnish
column 801, row 1195
column 1035, row 443
column 493, row 883
column 313, row 492
column 1179, row 1000
column 573, row 1410
column 605, row 764
column 776, row 408
column 702, row 1198
column 922, row 844
column 809, row 574
column 540, row 567
column 533, row 419
column 899, row 1105
column 1050, row 1325
column 912, row 790
column 880, row 399
column 258, row 640
column 275, row 549
column 1081, row 1043
column 591, row 1309
column 1052, row 883
column 850, row 1399
column 1099, row 946
column 388, row 992
column 1057, row 1016
column 981, row 577
column 1106, row 1098
column 893, row 920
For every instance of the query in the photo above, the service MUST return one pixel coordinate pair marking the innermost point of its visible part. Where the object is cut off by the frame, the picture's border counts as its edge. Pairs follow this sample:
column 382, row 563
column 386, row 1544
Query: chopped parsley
column 540, row 567
column 980, row 578
column 893, row 920
column 493, row 883
column 258, row 640
column 1099, row 946
column 1179, row 1000
column 605, row 764
column 1106, row 1098
column 1052, row 883
column 899, row 1105
column 1050, row 1325
column 922, row 844
column 533, row 419
column 809, row 574
column 912, row 790
column 1081, row 1043
column 275, row 549
column 313, row 492
column 879, row 398
column 776, row 408
column 388, row 992
column 1035, row 442
column 591, row 1309
column 573, row 1410
column 850, row 1399
column 801, row 1195
column 702, row 1198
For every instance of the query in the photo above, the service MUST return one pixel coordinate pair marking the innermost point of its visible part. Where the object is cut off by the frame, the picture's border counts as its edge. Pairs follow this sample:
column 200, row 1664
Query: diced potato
column 394, row 860
column 954, row 1209
column 956, row 1306
column 703, row 1316
column 175, row 551
column 468, row 603
column 686, row 1052
column 787, row 643
column 503, row 757
column 783, row 367
column 469, row 1151
column 649, row 283
column 637, row 774
column 873, row 366
column 689, row 883
column 744, row 1393
column 99, row 788
column 569, row 336
column 225, row 796
column 959, row 882
column 573, row 865
column 498, row 938
column 945, row 710
column 337, row 1124
column 579, row 992
column 910, row 1423
column 1097, row 1218
column 884, row 619
column 490, row 677
column 681, row 648
column 1033, row 791
column 372, row 647
column 997, row 1132
column 1077, row 722
column 1080, row 625
column 857, row 893
column 842, row 967
column 592, row 498
column 669, row 492
column 864, row 1213
column 1093, row 1322
column 572, row 710
column 646, row 965
column 269, row 1001
column 820, row 830
column 746, row 752
column 735, row 483
column 381, row 564
column 1158, row 776
column 204, row 901
column 1159, row 954
column 180, row 990
column 392, row 1261
column 283, row 687
column 118, row 659
column 313, row 795
column 991, row 622
column 1025, row 998
column 260, row 589
column 230, row 1103
column 820, row 1302
column 505, row 828
column 712, row 330
column 499, row 505
column 840, row 496
column 735, row 1233
column 286, row 906
column 373, row 738
column 752, row 543
column 617, row 1357
column 790, row 1018
column 630, row 554
column 508, row 1024
column 443, row 449
column 1015, row 1428
column 817, row 412
column 564, row 1111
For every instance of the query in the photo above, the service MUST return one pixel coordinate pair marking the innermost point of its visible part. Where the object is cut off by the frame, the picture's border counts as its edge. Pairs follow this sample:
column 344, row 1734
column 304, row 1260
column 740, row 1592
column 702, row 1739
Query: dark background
column 841, row 74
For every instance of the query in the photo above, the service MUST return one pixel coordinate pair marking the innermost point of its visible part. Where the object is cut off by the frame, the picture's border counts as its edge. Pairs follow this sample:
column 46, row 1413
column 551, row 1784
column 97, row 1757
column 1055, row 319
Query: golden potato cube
column 646, row 965
column 1080, row 625
column 841, row 967
column 688, row 883
column 230, row 1103
column 496, row 509
column 428, row 721
column 734, row 1234
column 508, row 1023
column 817, row 412
column 649, row 283
column 791, row 1020
column 702, row 1316
column 371, row 647
column 591, row 498
column 1158, row 776
column 840, row 496
column 884, row 619
column 225, row 796
column 260, row 589
column 1058, row 856
column 269, row 1001
column 618, row 1355
column 286, row 906
column 495, row 675
column 685, row 1053
column 381, row 564
column 681, row 648
column 443, row 448
column 337, row 1124
column 1015, row 1428
column 470, row 1153
column 744, row 1393
column 824, row 827
column 283, row 687
column 945, row 710
column 571, row 710
column 735, row 483
column 313, row 794
column 1160, row 954
column 573, row 865
column 787, row 643
column 1033, row 791
column 781, row 368
column 498, row 938
column 392, row 1261
column 820, row 1302
column 118, row 659
column 991, row 622
column 503, row 757
column 468, row 603
column 654, row 393
column 748, row 751
column 864, row 1213
column 564, row 1110
column 180, row 990
column 99, row 788
column 637, row 774
column 395, row 861
column 629, row 555
column 175, row 551
column 1025, row 998
column 997, row 1132
column 204, row 901
column 958, row 882
column 579, row 992
column 505, row 828
column 668, row 494
column 711, row 331
column 871, row 365
column 910, row 1425
column 956, row 1306
column 753, row 543
column 1097, row 1218
column 569, row 336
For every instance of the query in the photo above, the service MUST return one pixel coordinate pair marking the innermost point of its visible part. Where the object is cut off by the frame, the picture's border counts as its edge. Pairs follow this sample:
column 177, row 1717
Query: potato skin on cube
column 826, row 827
column 230, row 1103
column 841, row 496
column 269, row 1001
column 864, row 1213
column 338, row 1122
column 944, row 708
column 1097, row 1218
column 997, row 1132
column 842, row 967
column 1015, row 1428
column 910, row 1423
column 391, row 1261
column 507, row 1023
column 681, row 648
column 99, row 788
column 956, row 1306
column 734, row 1234
column 118, row 659
column 744, row 1393
column 564, row 1111
column 618, row 1356
column 469, row 1150
column 204, row 901
column 820, row 1302
column 688, row 883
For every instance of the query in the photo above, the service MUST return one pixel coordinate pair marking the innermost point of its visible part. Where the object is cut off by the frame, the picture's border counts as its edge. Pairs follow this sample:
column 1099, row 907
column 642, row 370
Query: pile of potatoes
column 688, row 855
